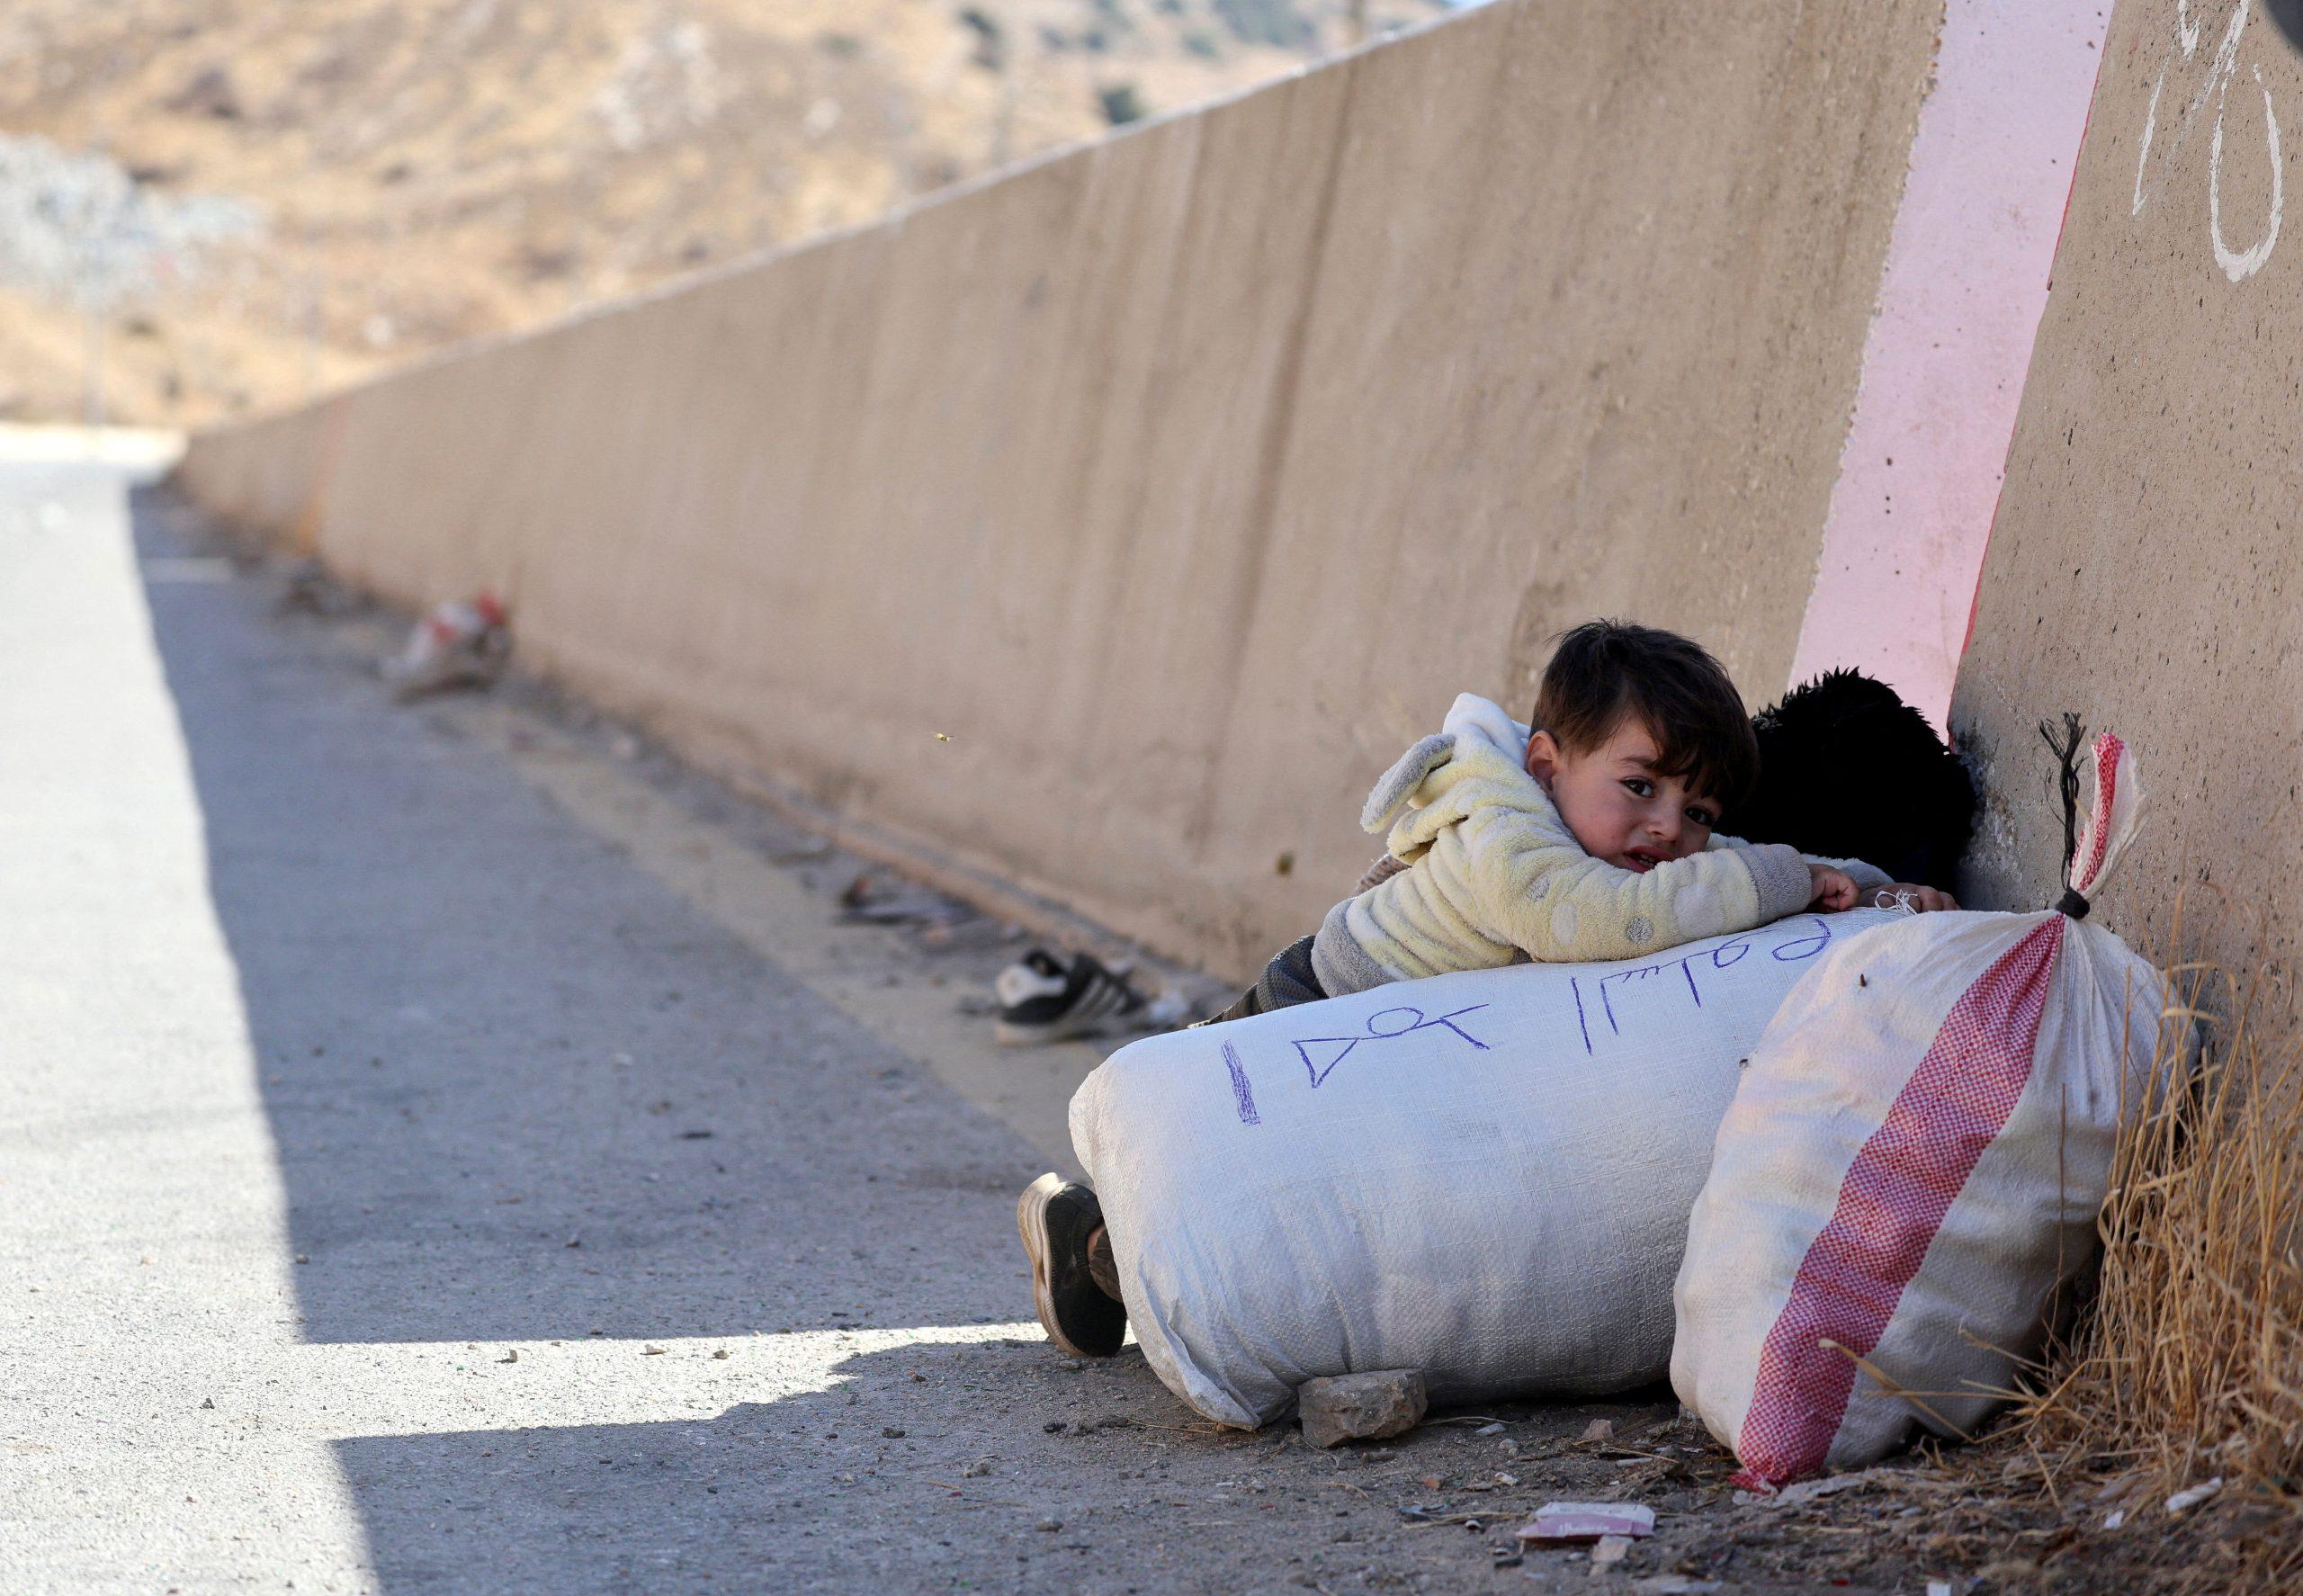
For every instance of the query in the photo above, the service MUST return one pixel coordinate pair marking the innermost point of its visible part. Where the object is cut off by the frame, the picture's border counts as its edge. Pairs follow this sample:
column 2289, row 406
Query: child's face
column 1619, row 807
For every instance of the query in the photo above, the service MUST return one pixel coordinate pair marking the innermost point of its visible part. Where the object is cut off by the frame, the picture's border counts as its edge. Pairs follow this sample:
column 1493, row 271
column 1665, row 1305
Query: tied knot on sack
column 2094, row 836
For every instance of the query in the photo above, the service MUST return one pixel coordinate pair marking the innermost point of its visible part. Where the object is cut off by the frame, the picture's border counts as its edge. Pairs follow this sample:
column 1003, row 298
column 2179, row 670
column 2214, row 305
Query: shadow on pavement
column 519, row 1088
column 522, row 1092
column 809, row 1493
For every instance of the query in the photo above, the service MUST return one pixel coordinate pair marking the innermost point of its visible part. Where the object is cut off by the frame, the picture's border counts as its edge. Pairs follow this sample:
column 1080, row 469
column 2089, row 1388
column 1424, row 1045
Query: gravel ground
column 453, row 1149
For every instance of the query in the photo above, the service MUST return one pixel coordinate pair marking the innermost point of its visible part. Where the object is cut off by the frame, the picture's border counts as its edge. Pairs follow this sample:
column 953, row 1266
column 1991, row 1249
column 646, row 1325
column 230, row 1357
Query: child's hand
column 1833, row 889
column 1918, row 899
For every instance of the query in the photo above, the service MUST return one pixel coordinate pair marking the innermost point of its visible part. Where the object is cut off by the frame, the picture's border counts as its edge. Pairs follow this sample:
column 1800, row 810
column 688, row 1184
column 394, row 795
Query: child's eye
column 1703, row 817
column 1639, row 784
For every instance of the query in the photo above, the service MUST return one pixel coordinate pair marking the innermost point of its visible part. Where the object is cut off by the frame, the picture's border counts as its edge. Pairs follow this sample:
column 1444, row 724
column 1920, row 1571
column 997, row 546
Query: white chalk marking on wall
column 2186, row 44
column 1960, row 297
column 2150, row 127
column 2237, row 264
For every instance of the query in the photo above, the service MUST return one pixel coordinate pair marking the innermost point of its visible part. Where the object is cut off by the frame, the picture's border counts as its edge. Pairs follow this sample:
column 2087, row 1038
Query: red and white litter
column 458, row 643
column 1557, row 1523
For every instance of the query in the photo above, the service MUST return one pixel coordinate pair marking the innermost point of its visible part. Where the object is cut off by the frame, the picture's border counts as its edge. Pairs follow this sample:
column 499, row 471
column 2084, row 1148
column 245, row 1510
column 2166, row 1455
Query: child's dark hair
column 1850, row 771
column 1604, row 671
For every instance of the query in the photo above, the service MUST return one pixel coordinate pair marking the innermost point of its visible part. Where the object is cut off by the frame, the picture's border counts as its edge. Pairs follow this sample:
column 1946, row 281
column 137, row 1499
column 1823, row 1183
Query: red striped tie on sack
column 2112, row 820
column 1896, row 1192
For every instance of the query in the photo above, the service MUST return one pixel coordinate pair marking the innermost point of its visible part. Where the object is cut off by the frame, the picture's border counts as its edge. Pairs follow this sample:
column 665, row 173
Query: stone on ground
column 1362, row 1407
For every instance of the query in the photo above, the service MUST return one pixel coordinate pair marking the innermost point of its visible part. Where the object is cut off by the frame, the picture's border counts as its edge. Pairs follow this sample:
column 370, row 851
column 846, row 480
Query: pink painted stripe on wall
column 1960, row 298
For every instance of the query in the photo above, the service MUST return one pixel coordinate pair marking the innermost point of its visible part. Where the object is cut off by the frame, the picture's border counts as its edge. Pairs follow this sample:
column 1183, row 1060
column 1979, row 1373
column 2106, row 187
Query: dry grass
column 2188, row 1364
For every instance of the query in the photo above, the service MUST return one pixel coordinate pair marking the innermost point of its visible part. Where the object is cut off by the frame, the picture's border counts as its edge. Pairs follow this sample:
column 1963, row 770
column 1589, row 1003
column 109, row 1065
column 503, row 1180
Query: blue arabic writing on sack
column 1623, row 987
column 1603, row 1003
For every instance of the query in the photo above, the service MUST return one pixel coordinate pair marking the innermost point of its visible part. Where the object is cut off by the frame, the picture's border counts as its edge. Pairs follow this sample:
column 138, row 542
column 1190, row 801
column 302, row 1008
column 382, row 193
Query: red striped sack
column 1910, row 1172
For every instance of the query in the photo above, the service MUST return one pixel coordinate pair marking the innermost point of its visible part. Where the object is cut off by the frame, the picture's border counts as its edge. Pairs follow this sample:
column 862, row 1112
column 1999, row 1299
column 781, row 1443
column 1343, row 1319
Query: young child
column 1589, row 839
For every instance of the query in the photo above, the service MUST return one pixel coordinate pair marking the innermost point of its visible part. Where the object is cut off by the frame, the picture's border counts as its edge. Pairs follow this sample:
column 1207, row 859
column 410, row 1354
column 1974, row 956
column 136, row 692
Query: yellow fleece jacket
column 1495, row 877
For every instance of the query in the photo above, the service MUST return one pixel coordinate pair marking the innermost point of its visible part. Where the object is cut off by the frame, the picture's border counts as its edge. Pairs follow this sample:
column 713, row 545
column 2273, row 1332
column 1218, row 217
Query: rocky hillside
column 222, row 205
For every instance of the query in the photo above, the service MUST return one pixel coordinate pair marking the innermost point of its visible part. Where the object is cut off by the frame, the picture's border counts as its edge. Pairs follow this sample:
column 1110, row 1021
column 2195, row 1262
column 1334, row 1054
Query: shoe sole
column 1031, row 1223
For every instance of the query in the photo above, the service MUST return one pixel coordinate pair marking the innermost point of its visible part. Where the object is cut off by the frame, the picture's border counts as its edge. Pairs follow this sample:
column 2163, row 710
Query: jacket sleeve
column 1865, row 876
column 1545, row 895
column 1396, row 788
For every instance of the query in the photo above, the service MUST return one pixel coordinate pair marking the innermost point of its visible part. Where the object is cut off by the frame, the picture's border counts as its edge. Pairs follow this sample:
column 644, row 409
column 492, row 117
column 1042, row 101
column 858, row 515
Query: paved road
column 408, row 1183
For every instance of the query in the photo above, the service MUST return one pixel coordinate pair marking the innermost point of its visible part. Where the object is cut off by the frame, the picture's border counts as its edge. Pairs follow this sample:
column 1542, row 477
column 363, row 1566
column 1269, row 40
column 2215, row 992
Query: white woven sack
column 1910, row 1172
column 1483, row 1176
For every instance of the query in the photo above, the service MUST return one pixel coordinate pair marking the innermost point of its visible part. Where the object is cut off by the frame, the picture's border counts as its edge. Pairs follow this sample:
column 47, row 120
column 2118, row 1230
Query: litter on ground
column 460, row 643
column 1557, row 1521
column 2193, row 1495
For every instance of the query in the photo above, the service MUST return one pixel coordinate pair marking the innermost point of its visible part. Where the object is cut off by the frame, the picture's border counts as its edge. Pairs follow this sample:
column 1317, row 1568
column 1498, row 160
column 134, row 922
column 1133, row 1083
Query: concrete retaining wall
column 1181, row 480
column 2146, row 566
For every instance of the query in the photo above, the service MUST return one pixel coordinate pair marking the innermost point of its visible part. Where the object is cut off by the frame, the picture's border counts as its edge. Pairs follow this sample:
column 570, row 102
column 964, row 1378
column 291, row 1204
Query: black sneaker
column 1055, row 1217
column 1041, row 999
